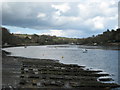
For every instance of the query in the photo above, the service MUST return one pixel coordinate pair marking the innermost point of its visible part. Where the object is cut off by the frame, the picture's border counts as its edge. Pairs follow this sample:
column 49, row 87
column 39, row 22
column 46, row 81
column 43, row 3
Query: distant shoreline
column 106, row 47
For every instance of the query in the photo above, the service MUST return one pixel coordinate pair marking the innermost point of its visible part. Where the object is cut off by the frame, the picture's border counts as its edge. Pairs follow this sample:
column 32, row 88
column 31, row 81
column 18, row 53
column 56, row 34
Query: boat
column 25, row 46
column 85, row 50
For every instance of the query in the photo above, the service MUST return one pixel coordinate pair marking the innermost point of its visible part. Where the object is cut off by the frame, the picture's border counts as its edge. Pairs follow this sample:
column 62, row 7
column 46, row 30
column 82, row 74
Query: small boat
column 85, row 50
column 25, row 46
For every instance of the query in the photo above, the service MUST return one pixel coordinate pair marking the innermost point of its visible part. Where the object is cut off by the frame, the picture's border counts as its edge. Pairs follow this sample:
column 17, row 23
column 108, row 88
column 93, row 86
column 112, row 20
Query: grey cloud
column 119, row 14
column 25, row 15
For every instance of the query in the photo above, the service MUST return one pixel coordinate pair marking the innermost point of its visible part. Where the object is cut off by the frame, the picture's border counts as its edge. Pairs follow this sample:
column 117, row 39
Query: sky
column 66, row 19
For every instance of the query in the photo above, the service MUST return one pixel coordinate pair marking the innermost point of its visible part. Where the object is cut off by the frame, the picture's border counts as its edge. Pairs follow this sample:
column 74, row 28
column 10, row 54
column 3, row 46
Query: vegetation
column 11, row 39
column 107, row 38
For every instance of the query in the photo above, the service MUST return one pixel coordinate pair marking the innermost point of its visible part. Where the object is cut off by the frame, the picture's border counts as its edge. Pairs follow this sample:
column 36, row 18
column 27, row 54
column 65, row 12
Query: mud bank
column 19, row 72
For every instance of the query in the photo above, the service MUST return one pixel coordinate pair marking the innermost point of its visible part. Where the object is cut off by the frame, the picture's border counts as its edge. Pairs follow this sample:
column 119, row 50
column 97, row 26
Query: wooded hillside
column 107, row 38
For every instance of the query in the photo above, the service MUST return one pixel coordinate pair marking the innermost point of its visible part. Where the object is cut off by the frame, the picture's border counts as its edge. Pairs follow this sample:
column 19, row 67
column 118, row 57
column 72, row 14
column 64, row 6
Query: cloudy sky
column 68, row 19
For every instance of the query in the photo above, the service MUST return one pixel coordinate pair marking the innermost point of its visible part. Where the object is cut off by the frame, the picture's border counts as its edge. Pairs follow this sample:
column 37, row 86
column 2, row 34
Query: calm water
column 105, row 59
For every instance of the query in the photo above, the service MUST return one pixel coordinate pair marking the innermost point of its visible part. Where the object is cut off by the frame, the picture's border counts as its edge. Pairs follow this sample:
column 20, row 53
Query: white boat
column 84, row 50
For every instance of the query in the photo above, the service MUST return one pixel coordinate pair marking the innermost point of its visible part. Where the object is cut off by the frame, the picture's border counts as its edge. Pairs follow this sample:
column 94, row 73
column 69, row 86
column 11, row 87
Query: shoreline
column 104, row 47
column 47, row 73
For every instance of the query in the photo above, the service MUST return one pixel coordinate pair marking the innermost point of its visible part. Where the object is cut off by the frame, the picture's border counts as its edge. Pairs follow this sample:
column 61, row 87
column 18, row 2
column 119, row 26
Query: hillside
column 106, row 38
column 25, row 39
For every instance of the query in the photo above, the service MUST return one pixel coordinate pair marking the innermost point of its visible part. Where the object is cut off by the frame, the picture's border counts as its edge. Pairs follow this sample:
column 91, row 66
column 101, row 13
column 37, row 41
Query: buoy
column 25, row 46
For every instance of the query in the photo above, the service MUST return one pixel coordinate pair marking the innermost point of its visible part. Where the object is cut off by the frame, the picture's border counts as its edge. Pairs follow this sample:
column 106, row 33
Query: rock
column 22, row 82
column 34, row 84
column 25, row 69
column 35, row 72
column 39, row 84
column 36, row 77
column 22, row 76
